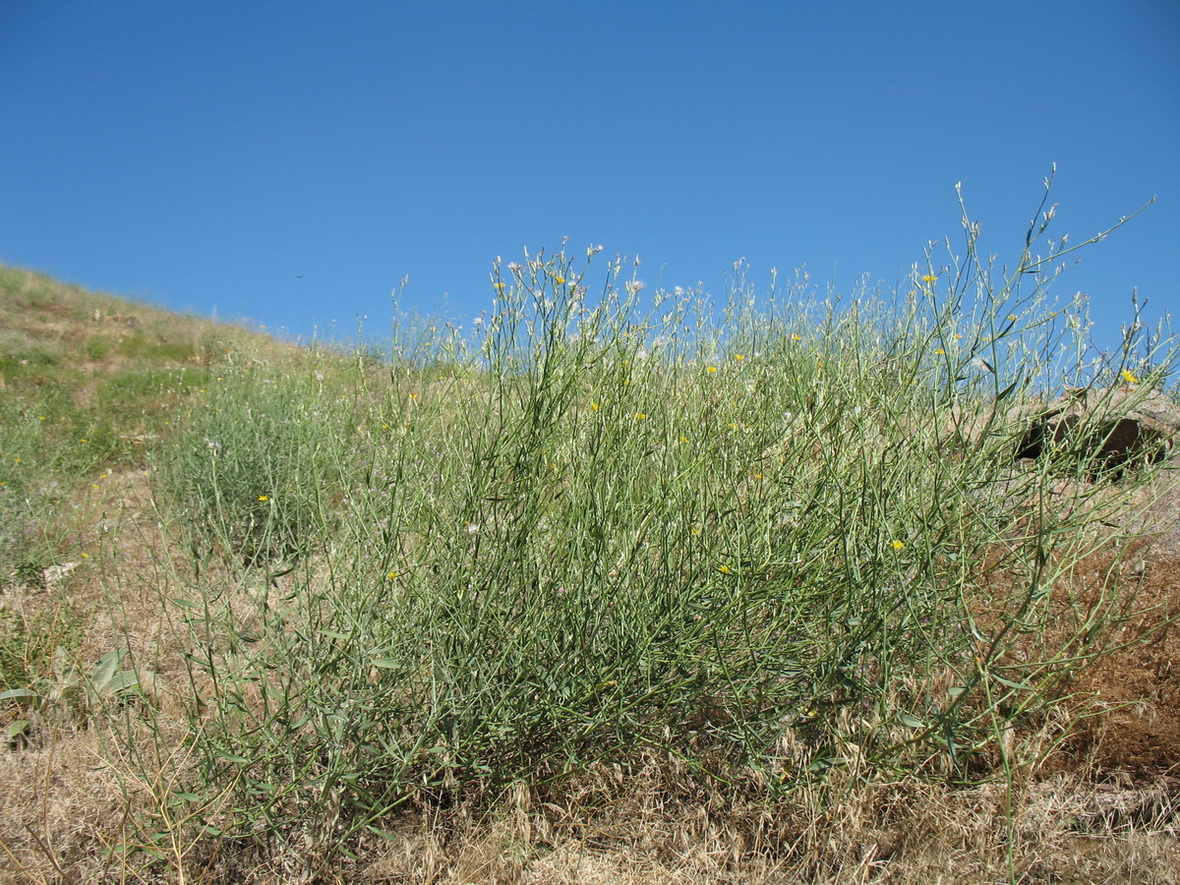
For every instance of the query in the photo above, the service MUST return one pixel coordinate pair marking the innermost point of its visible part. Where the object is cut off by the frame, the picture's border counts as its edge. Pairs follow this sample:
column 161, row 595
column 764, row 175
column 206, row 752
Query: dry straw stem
column 652, row 825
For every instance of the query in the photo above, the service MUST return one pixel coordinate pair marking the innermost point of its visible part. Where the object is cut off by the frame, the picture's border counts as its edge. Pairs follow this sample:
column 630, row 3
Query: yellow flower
column 640, row 416
column 594, row 407
column 559, row 279
column 392, row 575
column 711, row 370
column 940, row 351
column 898, row 545
column 1129, row 376
column 796, row 337
column 263, row 497
column 724, row 569
column 499, row 285
column 739, row 356
column 929, row 278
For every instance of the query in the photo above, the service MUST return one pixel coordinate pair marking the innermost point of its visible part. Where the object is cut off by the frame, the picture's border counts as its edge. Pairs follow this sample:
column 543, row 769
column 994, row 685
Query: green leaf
column 18, row 694
column 910, row 721
column 1007, row 391
column 1019, row 686
column 124, row 681
column 105, row 669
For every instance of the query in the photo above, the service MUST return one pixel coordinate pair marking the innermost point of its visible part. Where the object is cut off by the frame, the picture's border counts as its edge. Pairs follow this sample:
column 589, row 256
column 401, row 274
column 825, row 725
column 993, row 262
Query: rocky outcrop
column 1103, row 433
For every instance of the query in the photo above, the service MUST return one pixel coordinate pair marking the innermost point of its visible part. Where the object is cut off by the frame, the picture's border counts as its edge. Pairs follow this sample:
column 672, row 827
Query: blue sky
column 290, row 162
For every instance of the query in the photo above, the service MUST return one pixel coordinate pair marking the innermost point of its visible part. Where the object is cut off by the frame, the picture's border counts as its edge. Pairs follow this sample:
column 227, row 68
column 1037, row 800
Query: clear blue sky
column 291, row 162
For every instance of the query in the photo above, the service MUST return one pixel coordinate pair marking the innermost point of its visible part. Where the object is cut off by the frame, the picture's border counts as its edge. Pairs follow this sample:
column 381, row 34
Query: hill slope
column 579, row 609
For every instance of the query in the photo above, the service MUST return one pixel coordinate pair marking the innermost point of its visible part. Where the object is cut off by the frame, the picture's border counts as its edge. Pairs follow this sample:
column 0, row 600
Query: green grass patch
column 256, row 465
column 146, row 349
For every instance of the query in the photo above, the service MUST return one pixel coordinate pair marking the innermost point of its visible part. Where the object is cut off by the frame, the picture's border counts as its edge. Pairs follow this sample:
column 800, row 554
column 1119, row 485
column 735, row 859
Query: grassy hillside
column 616, row 588
column 88, row 381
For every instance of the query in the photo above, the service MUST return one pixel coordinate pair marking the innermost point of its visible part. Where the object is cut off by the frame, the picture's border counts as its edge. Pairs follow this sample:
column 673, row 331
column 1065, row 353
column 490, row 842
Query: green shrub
column 793, row 541
column 255, row 466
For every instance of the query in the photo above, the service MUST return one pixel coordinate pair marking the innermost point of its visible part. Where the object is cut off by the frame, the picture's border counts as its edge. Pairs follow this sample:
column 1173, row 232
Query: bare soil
column 1140, row 686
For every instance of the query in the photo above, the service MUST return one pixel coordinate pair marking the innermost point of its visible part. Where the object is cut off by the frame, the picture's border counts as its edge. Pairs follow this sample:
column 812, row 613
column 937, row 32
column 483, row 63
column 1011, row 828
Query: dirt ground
column 1140, row 686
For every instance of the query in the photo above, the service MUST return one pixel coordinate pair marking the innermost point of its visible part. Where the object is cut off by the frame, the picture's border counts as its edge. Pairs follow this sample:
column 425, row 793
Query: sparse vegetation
column 759, row 575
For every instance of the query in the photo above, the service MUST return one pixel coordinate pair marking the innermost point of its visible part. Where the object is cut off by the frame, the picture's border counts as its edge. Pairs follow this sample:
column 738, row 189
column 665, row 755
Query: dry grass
column 648, row 827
